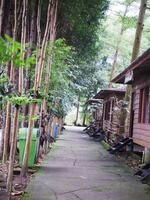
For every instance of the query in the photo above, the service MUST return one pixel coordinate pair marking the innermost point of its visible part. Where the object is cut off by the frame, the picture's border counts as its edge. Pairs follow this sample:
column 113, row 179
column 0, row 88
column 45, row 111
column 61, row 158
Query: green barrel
column 33, row 148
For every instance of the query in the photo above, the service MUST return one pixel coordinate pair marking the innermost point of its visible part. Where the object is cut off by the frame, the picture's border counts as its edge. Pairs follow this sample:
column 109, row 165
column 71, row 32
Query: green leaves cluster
column 128, row 22
column 19, row 100
column 11, row 50
column 60, row 85
column 78, row 23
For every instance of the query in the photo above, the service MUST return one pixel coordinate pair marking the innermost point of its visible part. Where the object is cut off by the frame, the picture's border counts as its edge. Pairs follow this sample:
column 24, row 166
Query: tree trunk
column 12, row 149
column 3, row 113
column 77, row 113
column 8, row 107
column 28, row 140
column 1, row 15
column 49, row 64
column 23, row 40
column 139, row 30
column 17, row 108
column 117, row 49
column 38, row 73
column 135, row 52
column 137, row 40
column 84, row 119
column 31, row 38
column 6, row 132
column 52, row 39
column 7, row 20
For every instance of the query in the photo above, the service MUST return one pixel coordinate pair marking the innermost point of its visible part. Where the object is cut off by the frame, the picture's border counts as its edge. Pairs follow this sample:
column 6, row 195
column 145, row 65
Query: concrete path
column 80, row 169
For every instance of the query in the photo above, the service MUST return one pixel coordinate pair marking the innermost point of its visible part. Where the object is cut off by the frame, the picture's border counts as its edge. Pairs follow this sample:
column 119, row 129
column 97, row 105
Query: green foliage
column 73, row 58
column 11, row 50
column 27, row 118
column 35, row 100
column 19, row 100
column 61, row 54
column 23, row 99
column 60, row 80
column 5, row 87
column 26, row 196
column 128, row 22
column 3, row 78
column 58, row 111
column 78, row 22
column 21, row 117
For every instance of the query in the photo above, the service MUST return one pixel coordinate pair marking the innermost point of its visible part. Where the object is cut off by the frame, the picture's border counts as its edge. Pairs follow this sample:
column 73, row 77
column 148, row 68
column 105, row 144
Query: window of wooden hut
column 144, row 104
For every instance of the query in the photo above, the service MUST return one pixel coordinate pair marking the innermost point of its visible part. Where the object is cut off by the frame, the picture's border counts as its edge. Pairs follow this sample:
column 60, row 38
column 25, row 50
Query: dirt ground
column 18, row 185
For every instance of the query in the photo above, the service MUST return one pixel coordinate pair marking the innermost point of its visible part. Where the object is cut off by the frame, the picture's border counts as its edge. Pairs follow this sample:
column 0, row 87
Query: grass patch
column 55, row 146
column 25, row 196
column 105, row 145
column 35, row 167
column 147, row 189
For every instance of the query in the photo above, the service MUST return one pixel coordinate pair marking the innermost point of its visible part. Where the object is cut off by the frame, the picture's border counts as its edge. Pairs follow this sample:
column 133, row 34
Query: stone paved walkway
column 80, row 169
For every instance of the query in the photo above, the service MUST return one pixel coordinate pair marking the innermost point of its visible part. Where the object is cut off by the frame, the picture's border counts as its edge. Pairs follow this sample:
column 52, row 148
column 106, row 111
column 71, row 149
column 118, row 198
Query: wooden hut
column 137, row 74
column 111, row 122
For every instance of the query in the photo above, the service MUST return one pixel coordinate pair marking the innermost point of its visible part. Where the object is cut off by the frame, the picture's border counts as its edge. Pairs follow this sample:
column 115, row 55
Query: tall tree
column 77, row 111
column 38, row 74
column 135, row 52
column 124, row 20
column 8, row 107
column 139, row 30
column 1, row 15
column 17, row 107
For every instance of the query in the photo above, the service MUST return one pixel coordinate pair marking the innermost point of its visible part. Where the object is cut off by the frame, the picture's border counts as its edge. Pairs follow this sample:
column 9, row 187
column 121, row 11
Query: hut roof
column 141, row 64
column 93, row 101
column 109, row 91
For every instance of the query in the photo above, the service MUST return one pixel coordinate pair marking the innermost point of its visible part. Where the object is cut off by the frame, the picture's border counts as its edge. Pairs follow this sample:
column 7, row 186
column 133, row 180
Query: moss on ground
column 105, row 145
column 147, row 189
column 25, row 196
